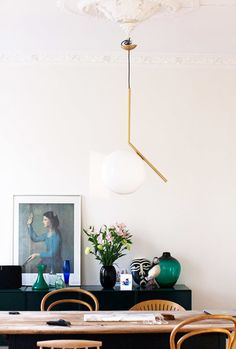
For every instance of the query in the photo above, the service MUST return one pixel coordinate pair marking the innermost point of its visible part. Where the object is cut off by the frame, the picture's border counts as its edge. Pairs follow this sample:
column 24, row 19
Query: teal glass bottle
column 170, row 270
column 59, row 282
column 40, row 283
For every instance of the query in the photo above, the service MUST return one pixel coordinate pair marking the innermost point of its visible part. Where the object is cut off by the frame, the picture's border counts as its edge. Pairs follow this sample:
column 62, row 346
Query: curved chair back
column 69, row 344
column 214, row 326
column 157, row 304
column 49, row 298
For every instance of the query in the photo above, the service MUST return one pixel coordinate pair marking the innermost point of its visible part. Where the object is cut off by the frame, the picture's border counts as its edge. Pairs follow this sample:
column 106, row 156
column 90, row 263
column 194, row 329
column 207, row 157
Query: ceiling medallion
column 127, row 13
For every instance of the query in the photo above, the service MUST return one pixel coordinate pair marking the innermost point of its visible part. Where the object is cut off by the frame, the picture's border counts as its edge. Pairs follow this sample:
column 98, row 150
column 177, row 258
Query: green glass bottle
column 40, row 283
column 170, row 270
column 59, row 283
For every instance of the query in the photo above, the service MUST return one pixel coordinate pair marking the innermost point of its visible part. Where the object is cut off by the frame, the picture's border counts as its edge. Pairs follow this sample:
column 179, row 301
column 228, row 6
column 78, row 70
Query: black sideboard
column 110, row 299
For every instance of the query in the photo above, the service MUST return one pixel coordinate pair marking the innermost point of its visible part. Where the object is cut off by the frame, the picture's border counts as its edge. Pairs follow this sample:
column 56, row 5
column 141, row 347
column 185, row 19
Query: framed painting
column 47, row 230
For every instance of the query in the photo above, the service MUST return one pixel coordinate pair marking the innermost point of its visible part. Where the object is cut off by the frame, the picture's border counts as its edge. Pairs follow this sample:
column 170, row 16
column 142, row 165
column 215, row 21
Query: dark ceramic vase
column 40, row 283
column 170, row 270
column 108, row 276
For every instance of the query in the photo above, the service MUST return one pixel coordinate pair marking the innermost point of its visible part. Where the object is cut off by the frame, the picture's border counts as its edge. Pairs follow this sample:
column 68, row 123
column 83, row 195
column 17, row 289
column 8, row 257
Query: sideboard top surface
column 178, row 287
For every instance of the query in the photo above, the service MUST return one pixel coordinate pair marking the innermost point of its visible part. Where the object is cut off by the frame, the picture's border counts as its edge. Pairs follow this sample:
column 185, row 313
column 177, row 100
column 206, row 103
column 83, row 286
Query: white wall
column 57, row 121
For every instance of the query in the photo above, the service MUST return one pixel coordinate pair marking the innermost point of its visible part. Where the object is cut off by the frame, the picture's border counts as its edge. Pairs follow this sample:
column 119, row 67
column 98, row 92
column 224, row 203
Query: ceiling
column 39, row 26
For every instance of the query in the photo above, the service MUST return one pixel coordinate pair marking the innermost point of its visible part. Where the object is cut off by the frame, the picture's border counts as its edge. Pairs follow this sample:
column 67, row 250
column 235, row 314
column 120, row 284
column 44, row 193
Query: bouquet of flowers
column 109, row 243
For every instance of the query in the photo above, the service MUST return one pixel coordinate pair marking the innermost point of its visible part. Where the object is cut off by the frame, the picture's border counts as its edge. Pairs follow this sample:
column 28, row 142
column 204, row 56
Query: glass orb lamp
column 123, row 172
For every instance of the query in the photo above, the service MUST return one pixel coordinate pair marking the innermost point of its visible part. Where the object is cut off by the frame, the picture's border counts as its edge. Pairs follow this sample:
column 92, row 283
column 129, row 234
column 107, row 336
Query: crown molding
column 79, row 58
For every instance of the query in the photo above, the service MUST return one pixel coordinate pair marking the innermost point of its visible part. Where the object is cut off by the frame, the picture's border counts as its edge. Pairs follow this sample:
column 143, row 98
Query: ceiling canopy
column 127, row 13
column 40, row 28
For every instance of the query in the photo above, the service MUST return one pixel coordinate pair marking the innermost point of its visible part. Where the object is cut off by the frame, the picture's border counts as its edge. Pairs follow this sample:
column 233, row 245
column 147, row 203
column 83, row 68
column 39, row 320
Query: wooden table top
column 34, row 322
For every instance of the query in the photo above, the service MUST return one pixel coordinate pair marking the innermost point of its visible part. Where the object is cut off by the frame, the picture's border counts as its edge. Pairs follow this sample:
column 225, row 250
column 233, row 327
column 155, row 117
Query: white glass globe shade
column 123, row 172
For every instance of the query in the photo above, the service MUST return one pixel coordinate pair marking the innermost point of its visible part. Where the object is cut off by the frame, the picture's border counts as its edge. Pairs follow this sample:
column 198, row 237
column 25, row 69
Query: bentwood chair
column 69, row 344
column 54, row 298
column 157, row 304
column 204, row 324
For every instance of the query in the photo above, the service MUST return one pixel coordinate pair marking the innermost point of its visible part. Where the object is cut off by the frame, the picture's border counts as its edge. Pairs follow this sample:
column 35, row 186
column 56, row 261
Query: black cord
column 123, row 43
column 128, row 69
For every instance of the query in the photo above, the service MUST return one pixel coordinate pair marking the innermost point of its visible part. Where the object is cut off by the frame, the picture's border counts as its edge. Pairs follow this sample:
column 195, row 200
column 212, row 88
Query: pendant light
column 123, row 172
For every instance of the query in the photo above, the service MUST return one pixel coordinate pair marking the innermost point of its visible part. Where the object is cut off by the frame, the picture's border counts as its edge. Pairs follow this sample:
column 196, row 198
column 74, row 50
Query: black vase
column 108, row 276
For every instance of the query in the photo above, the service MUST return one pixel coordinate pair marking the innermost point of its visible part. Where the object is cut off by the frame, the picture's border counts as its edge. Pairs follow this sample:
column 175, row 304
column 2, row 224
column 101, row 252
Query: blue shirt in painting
column 52, row 256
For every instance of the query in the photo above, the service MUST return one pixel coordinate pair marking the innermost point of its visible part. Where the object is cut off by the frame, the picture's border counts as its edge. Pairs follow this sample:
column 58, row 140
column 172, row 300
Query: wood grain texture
column 34, row 322
column 69, row 343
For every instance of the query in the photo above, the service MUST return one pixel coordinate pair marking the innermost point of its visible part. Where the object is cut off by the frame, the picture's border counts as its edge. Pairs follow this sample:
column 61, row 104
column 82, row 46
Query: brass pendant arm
column 133, row 147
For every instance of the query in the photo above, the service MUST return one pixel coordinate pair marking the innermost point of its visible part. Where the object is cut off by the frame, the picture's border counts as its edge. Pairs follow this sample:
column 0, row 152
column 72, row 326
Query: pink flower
column 125, row 234
column 103, row 228
column 121, row 225
column 109, row 237
column 100, row 239
column 121, row 229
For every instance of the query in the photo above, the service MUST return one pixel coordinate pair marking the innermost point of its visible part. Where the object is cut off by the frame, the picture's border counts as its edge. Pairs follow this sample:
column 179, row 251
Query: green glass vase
column 40, row 283
column 170, row 270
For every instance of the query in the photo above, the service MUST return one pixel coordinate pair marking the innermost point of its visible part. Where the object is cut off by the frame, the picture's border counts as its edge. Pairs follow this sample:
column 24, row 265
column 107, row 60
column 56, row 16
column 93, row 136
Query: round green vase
column 170, row 270
column 40, row 283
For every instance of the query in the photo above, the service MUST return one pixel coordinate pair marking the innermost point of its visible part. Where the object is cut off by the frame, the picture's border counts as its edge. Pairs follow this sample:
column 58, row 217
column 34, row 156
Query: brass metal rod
column 129, row 113
column 133, row 146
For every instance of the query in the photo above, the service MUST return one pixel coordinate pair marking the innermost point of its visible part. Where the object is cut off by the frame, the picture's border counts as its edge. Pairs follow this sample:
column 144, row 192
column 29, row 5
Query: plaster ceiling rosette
column 127, row 13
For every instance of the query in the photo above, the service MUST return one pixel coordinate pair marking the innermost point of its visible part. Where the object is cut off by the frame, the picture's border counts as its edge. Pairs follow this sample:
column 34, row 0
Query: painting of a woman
column 47, row 230
column 51, row 256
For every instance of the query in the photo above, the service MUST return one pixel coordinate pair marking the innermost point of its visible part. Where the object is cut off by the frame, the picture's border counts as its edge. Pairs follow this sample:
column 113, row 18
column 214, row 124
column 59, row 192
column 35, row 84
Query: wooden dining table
column 24, row 329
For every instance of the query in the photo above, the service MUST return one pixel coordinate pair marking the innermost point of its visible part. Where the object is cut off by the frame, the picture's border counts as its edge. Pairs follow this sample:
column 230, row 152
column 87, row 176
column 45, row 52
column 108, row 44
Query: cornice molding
column 147, row 59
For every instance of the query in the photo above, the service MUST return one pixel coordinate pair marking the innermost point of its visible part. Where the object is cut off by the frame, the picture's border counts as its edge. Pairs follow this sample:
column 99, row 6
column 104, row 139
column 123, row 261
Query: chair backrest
column 213, row 326
column 69, row 344
column 157, row 304
column 48, row 302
